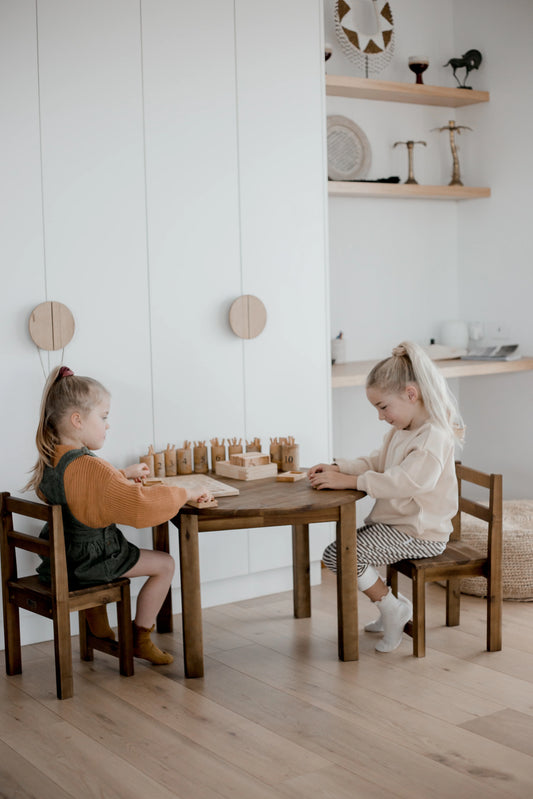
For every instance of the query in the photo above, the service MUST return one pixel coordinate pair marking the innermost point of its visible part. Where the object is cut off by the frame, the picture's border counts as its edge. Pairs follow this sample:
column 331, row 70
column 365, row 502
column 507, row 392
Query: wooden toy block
column 290, row 477
column 234, row 446
column 149, row 460
column 159, row 464
column 212, row 503
column 249, row 459
column 227, row 469
column 171, row 466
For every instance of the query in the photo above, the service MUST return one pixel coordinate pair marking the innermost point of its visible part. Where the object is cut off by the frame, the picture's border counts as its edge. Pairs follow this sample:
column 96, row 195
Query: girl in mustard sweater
column 411, row 477
column 94, row 497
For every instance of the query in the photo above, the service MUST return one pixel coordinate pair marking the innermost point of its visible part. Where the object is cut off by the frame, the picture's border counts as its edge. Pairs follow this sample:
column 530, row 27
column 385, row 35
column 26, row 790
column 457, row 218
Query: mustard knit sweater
column 98, row 495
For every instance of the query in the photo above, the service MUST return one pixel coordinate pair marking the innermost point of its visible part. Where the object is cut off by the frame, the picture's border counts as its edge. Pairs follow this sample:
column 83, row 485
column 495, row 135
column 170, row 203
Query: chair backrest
column 12, row 539
column 490, row 513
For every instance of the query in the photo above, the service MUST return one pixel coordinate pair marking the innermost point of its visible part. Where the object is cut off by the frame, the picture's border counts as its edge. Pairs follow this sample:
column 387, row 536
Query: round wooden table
column 266, row 503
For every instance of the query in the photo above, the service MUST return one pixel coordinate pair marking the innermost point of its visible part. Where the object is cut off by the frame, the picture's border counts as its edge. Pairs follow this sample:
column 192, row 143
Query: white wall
column 155, row 165
column 495, row 255
column 400, row 268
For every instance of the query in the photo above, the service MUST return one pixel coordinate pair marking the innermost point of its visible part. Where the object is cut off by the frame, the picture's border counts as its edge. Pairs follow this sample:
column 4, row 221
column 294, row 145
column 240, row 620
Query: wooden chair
column 460, row 560
column 55, row 601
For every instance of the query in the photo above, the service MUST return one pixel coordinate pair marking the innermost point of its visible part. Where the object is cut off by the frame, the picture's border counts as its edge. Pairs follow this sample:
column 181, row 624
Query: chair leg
column 86, row 650
column 125, row 633
column 392, row 579
column 63, row 653
column 13, row 653
column 453, row 602
column 494, row 614
column 419, row 616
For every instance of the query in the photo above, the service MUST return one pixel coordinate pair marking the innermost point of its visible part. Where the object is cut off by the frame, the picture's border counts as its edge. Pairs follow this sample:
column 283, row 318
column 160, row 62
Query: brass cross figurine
column 410, row 146
column 453, row 128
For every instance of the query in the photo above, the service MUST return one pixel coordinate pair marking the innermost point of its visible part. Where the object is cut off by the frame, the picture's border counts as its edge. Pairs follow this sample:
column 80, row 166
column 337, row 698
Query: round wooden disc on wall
column 51, row 325
column 247, row 316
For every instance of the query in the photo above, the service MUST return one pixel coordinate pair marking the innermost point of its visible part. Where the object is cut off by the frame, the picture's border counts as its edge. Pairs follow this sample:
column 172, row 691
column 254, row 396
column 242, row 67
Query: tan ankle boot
column 144, row 648
column 99, row 623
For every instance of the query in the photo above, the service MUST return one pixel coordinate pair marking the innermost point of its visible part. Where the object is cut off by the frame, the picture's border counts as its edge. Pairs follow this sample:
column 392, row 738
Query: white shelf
column 404, row 191
column 355, row 373
column 392, row 92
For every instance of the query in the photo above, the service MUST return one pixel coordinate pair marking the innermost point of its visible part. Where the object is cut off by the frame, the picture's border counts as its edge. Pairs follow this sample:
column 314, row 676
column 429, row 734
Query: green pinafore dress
column 94, row 555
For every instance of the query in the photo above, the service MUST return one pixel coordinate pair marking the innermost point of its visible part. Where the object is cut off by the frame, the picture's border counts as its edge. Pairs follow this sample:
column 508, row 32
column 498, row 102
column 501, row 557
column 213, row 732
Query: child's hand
column 322, row 467
column 333, row 478
column 137, row 471
column 205, row 496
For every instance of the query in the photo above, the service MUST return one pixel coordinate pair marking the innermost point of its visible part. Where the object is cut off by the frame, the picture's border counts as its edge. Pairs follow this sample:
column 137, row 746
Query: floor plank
column 508, row 727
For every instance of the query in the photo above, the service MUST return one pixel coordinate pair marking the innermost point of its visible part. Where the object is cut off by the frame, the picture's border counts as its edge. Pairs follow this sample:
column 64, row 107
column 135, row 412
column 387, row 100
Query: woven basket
column 517, row 558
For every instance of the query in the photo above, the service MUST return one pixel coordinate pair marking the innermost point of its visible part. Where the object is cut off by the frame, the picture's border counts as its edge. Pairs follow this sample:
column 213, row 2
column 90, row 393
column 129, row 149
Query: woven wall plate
column 349, row 153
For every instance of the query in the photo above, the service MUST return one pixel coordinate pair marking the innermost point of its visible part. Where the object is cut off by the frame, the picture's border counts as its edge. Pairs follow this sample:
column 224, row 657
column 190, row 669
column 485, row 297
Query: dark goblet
column 418, row 65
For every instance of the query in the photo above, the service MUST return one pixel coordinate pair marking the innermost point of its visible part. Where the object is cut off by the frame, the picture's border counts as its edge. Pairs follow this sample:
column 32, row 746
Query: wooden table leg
column 347, row 584
column 191, row 603
column 160, row 541
column 301, row 571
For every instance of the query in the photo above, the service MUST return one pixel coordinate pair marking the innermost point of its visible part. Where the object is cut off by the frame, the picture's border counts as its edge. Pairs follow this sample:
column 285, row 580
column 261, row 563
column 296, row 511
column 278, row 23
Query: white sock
column 377, row 625
column 395, row 614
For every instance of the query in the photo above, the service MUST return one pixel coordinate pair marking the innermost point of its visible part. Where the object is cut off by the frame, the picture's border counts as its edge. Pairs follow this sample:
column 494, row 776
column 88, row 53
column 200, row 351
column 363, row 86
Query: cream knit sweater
column 412, row 478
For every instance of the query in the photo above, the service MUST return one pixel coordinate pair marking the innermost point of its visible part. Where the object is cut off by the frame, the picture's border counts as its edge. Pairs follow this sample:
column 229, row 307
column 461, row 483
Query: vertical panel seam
column 325, row 216
column 239, row 223
column 239, row 200
column 41, row 167
column 146, row 226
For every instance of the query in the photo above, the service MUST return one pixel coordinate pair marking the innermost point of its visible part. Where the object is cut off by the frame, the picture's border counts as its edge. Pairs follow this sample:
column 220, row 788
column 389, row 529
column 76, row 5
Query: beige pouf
column 517, row 559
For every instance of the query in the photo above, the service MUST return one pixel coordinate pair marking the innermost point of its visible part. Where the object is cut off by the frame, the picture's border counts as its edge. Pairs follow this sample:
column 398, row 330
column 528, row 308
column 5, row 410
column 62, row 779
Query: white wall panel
column 193, row 235
column 281, row 118
column 94, row 205
column 193, row 225
column 21, row 247
column 21, row 258
column 283, row 245
column 94, row 201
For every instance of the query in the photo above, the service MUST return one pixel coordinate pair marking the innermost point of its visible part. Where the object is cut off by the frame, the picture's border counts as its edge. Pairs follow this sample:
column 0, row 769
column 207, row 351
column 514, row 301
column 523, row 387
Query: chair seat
column 466, row 558
column 79, row 598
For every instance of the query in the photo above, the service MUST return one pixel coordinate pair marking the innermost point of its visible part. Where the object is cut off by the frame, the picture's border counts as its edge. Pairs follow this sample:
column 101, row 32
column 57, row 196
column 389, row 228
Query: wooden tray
column 196, row 481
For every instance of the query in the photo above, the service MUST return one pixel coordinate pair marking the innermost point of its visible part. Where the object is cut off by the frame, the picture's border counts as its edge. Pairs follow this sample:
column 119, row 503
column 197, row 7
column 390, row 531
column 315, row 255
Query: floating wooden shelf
column 388, row 91
column 355, row 372
column 338, row 188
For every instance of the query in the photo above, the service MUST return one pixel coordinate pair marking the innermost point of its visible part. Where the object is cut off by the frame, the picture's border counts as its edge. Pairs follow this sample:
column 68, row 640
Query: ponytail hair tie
column 399, row 351
column 64, row 372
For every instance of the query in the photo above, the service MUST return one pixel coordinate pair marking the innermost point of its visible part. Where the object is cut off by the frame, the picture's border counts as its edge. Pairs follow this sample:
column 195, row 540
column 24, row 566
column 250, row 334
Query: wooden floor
column 277, row 715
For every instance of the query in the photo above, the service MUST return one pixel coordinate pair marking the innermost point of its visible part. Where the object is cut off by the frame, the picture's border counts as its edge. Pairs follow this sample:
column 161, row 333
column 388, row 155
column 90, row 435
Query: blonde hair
column 410, row 364
column 64, row 392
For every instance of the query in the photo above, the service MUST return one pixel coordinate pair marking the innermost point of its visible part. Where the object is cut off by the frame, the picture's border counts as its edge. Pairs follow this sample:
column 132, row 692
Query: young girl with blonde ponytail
column 411, row 477
column 95, row 497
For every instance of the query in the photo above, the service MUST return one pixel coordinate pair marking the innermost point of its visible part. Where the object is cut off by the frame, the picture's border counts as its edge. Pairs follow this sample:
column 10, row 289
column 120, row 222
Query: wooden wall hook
column 51, row 326
column 247, row 316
